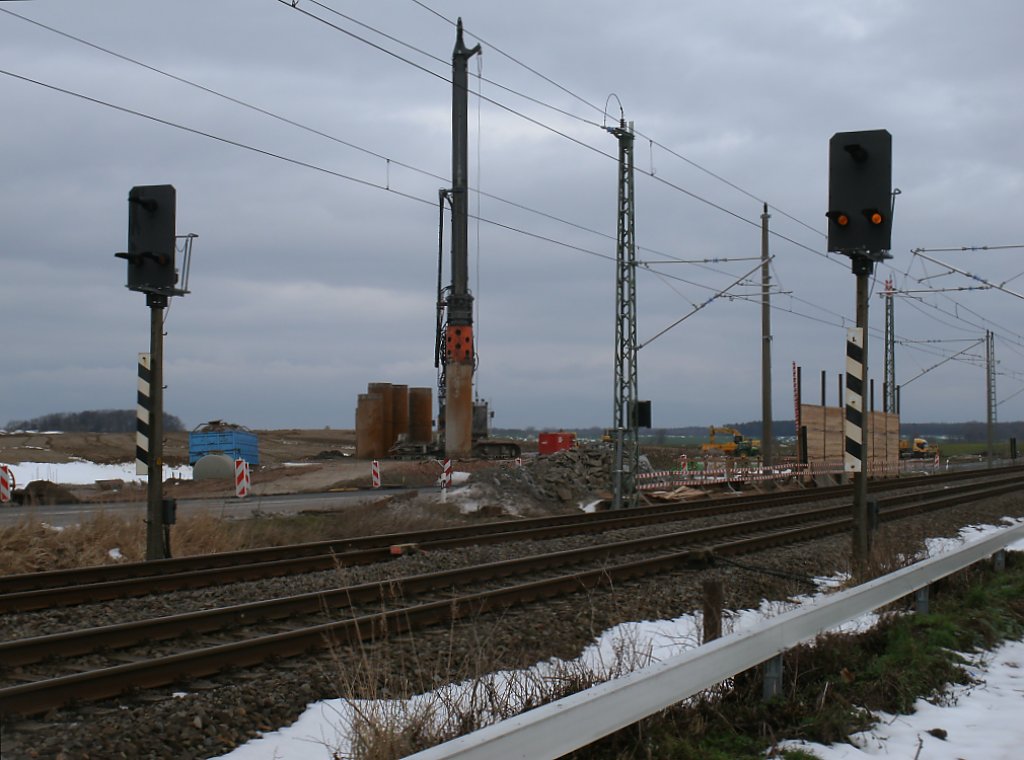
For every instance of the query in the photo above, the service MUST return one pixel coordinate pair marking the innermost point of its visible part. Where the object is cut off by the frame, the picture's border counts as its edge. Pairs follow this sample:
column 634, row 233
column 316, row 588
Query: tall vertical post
column 889, row 383
column 990, row 395
column 153, row 270
column 798, row 400
column 143, row 414
column 459, row 348
column 862, row 268
column 156, row 545
column 627, row 455
column 767, row 442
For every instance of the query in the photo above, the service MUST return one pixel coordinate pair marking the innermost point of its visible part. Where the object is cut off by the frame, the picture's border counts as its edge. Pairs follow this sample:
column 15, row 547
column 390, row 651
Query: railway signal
column 859, row 226
column 860, row 193
column 151, row 240
column 152, row 269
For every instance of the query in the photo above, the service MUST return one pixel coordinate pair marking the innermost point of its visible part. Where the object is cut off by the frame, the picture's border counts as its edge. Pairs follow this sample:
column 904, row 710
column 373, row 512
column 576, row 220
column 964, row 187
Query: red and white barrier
column 375, row 474
column 243, row 480
column 6, row 483
column 446, row 474
column 655, row 481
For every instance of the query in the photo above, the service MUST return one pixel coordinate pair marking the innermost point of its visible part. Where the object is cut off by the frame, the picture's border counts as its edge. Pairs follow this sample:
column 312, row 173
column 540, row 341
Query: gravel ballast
column 209, row 717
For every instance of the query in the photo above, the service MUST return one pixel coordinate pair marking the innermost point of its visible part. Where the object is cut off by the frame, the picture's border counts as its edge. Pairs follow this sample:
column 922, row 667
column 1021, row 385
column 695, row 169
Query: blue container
column 238, row 444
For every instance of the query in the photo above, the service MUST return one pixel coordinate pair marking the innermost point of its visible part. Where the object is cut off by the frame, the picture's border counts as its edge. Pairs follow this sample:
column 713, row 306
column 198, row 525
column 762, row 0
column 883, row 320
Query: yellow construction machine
column 736, row 446
column 919, row 448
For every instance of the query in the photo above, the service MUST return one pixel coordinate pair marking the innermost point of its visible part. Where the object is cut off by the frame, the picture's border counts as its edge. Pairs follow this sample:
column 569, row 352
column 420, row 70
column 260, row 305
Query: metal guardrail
column 567, row 724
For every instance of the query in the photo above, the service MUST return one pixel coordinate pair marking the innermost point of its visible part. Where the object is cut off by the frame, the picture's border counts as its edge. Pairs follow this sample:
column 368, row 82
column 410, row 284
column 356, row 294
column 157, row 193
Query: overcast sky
column 316, row 275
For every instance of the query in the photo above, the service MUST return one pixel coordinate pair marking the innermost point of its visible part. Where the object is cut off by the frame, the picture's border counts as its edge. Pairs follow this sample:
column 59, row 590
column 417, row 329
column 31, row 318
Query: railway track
column 34, row 591
column 40, row 672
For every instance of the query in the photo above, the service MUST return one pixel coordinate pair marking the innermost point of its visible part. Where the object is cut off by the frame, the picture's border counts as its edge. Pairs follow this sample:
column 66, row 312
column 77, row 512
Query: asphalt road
column 62, row 515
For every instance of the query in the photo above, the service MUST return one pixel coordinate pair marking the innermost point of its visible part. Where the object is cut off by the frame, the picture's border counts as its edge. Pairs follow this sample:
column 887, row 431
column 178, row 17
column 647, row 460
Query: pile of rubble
column 567, row 477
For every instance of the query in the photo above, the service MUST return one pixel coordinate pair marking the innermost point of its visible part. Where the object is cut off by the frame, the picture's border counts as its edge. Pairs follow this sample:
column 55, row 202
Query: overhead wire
column 651, row 173
column 324, row 170
column 315, row 167
column 650, row 139
column 558, row 132
column 272, row 154
column 389, row 160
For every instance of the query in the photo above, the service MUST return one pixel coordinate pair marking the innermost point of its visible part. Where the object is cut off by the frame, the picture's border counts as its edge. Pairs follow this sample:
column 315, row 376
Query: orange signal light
column 839, row 218
column 874, row 216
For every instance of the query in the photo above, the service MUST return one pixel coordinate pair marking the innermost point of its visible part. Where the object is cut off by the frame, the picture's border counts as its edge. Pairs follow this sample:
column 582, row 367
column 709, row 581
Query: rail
column 567, row 724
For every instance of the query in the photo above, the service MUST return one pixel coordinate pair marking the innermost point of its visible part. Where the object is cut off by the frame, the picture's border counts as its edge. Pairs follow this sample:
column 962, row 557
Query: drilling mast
column 458, row 355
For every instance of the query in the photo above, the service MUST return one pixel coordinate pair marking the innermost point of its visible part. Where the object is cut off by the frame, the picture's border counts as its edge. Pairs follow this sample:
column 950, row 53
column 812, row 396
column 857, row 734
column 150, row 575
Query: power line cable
column 433, row 57
column 312, row 130
column 324, row 170
column 552, row 129
column 492, row 101
column 408, row 166
column 224, row 96
column 650, row 139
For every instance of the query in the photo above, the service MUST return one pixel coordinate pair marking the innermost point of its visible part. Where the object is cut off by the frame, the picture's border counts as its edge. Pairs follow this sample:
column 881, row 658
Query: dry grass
column 104, row 538
column 462, row 694
column 399, row 698
column 31, row 546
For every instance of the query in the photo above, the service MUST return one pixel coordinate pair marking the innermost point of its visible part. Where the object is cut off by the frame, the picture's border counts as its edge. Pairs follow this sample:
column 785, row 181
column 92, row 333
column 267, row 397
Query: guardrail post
column 772, row 677
column 714, row 595
column 921, row 601
column 873, row 512
column 999, row 561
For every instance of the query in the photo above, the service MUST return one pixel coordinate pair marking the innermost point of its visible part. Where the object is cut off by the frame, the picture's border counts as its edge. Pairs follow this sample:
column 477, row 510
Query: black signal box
column 151, row 240
column 860, row 193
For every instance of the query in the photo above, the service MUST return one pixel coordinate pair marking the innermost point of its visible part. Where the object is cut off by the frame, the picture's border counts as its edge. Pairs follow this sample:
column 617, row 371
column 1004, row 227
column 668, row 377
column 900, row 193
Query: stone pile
column 566, row 477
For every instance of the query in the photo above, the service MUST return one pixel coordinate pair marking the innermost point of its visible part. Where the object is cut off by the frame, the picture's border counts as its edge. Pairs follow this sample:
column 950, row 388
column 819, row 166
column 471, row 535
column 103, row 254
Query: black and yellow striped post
column 143, row 409
column 853, row 425
column 857, row 454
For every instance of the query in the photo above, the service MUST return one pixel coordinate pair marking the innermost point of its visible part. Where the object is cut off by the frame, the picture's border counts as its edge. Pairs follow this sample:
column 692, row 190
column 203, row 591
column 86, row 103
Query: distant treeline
column 96, row 421
column 970, row 432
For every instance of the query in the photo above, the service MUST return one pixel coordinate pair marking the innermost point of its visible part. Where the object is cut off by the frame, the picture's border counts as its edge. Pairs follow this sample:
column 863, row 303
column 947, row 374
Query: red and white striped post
column 375, row 473
column 6, row 483
column 446, row 474
column 243, row 480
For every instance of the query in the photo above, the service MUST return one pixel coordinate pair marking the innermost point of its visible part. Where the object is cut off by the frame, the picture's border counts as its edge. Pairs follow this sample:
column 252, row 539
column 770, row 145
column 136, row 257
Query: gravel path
column 224, row 711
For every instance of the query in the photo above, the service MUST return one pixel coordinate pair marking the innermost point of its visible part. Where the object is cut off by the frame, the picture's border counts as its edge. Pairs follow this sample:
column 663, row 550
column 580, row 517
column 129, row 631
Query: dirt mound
column 43, row 493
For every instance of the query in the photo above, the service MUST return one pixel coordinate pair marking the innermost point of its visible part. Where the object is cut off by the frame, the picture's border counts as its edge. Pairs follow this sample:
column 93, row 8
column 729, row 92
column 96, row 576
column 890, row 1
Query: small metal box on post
column 153, row 270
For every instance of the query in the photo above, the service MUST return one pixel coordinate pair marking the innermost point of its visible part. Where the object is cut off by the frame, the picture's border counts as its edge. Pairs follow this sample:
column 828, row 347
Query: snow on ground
column 979, row 720
column 82, row 472
column 981, row 714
